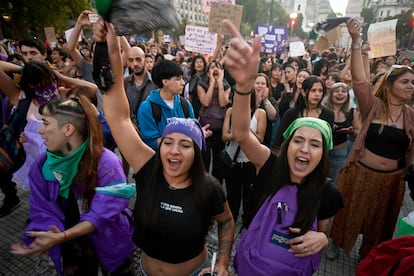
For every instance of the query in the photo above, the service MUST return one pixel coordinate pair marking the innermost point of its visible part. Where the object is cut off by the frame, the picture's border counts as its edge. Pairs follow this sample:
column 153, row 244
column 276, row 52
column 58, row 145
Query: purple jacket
column 108, row 212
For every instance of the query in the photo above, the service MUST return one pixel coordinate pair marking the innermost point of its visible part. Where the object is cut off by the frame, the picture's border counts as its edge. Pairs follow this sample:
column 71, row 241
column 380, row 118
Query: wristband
column 65, row 236
column 355, row 46
column 243, row 93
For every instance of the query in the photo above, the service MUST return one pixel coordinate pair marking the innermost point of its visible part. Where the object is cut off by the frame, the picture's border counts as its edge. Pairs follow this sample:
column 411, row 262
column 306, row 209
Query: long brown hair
column 384, row 89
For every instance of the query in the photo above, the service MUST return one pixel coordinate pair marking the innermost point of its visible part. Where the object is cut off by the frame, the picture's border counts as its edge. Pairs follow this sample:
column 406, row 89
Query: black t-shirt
column 277, row 90
column 180, row 234
column 331, row 201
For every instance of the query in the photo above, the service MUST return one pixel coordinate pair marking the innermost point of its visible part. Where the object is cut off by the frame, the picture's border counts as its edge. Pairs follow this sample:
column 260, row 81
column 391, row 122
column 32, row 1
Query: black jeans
column 238, row 185
column 214, row 145
column 8, row 187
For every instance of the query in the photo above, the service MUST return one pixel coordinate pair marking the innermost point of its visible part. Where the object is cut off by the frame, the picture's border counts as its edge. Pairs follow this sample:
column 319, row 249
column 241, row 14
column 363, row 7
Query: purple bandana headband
column 189, row 127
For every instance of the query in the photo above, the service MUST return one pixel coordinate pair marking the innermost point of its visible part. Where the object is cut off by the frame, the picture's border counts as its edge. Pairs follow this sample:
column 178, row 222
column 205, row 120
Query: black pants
column 8, row 187
column 214, row 145
column 238, row 185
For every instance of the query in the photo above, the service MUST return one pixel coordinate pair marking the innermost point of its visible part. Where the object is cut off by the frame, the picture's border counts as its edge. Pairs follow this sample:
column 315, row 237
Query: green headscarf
column 318, row 124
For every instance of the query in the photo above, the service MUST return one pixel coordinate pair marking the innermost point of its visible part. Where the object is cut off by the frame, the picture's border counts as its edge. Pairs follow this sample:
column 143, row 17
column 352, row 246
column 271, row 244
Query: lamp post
column 292, row 17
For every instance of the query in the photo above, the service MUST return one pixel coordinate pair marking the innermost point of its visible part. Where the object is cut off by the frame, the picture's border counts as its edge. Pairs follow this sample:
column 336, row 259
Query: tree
column 261, row 12
column 368, row 15
column 29, row 17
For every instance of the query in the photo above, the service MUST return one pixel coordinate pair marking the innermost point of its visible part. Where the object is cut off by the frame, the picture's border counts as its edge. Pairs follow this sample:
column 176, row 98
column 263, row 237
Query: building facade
column 192, row 11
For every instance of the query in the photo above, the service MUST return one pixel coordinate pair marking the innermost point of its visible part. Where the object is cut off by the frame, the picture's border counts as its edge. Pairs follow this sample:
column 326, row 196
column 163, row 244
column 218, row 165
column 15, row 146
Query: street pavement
column 12, row 227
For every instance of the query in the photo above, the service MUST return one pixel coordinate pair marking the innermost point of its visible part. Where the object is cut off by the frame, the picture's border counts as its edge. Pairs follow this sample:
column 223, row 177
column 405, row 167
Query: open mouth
column 301, row 163
column 173, row 163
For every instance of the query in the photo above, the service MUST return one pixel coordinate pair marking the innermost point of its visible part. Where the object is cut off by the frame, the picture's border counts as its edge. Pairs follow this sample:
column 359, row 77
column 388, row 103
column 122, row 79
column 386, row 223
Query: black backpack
column 156, row 109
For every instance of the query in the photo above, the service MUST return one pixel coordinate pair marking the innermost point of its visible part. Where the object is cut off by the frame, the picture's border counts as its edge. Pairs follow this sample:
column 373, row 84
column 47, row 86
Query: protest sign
column 221, row 11
column 321, row 44
column 50, row 34
column 274, row 38
column 296, row 49
column 200, row 40
column 207, row 4
column 382, row 38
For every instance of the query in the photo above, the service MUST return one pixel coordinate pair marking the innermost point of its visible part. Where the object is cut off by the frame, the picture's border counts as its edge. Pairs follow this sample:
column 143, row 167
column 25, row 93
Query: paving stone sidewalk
column 12, row 227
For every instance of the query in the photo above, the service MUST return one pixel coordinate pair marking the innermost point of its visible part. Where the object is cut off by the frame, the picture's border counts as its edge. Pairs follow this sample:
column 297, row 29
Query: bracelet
column 243, row 93
column 65, row 236
column 355, row 46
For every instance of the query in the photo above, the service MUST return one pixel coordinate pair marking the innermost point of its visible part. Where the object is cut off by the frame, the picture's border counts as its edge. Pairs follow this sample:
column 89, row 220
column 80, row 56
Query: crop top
column 180, row 232
column 390, row 143
column 341, row 137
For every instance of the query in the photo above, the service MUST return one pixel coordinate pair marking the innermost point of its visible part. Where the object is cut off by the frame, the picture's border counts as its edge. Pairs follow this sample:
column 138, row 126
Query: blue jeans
column 337, row 158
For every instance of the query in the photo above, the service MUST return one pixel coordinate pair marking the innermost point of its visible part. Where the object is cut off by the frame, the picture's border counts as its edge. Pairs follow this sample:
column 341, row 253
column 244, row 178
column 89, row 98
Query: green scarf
column 63, row 168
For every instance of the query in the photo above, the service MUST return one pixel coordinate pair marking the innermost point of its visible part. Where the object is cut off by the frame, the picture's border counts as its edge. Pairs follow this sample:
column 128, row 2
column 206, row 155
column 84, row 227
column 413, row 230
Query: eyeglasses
column 397, row 66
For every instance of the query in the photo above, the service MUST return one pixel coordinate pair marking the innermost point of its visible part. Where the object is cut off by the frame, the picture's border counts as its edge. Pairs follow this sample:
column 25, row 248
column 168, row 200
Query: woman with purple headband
column 177, row 200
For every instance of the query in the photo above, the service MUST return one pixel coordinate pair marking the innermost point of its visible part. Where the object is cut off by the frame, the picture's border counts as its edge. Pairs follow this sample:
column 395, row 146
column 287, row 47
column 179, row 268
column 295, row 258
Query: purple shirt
column 108, row 212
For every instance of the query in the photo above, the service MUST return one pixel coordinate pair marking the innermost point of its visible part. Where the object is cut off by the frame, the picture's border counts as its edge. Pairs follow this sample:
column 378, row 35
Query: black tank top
column 341, row 137
column 390, row 143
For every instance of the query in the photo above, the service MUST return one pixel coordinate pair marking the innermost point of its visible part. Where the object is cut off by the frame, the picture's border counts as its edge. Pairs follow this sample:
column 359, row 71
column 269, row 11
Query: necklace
column 400, row 104
column 394, row 123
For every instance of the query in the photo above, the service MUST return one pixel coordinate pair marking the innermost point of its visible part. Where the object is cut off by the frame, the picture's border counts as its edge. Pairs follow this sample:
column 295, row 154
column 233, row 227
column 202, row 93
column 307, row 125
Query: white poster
column 296, row 49
column 200, row 40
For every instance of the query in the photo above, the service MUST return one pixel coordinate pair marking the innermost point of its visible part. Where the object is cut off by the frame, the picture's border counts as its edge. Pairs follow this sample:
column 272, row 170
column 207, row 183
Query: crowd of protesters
column 365, row 120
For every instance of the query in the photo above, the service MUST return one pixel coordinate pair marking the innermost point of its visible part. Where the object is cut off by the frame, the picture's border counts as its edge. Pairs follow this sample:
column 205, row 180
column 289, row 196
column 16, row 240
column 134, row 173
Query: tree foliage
column 29, row 17
column 403, row 29
column 262, row 12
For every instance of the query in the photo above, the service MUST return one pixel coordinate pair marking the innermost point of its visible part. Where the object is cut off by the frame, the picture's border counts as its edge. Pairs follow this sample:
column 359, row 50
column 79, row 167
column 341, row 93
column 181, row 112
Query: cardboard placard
column 50, row 34
column 333, row 35
column 207, row 4
column 382, row 38
column 221, row 11
column 321, row 44
column 200, row 40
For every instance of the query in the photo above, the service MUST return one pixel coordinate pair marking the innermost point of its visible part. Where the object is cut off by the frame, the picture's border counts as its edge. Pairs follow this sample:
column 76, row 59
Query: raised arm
column 7, row 85
column 89, row 87
column 83, row 20
column 242, row 61
column 116, row 106
column 360, row 82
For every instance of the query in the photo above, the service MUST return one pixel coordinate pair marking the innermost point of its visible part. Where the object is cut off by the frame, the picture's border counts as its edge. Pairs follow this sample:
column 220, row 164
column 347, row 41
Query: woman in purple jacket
column 79, row 195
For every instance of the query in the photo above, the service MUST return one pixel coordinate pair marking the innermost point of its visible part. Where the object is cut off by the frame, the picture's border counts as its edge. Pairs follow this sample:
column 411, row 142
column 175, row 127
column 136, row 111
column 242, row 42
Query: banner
column 274, row 38
column 382, row 39
column 200, row 40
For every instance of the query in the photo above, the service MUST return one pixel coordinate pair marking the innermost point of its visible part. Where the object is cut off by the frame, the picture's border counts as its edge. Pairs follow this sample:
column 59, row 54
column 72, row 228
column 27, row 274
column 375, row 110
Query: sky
column 339, row 5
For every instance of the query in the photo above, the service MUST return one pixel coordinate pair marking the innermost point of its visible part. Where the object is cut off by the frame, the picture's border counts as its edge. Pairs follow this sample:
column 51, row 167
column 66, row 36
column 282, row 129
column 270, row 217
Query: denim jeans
column 337, row 158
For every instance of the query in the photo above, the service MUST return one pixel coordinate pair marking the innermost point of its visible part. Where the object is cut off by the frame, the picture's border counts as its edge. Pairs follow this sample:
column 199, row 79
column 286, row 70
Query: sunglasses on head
column 397, row 66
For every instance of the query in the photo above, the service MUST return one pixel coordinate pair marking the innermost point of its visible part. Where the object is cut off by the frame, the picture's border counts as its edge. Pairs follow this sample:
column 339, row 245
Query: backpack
column 156, row 109
column 393, row 257
column 263, row 248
